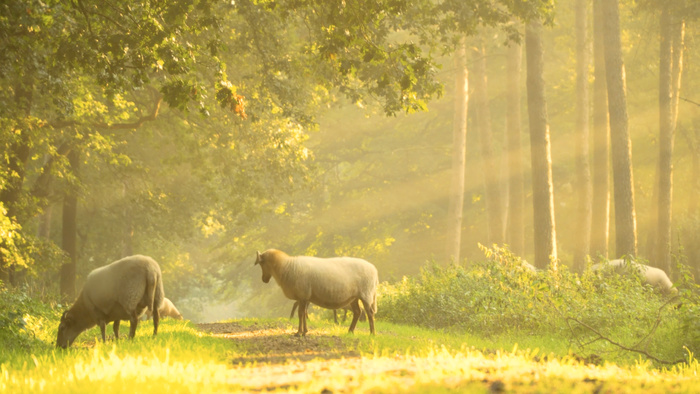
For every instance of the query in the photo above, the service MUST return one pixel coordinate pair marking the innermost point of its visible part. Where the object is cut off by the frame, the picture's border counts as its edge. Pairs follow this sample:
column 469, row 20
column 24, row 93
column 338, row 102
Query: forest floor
column 268, row 357
column 263, row 355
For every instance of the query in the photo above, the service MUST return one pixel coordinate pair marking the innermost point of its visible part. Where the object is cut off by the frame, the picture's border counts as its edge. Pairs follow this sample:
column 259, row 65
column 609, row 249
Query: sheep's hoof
column 300, row 334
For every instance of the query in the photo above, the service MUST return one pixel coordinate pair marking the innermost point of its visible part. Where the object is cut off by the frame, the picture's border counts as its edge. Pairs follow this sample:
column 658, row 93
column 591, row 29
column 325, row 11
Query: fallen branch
column 623, row 347
column 602, row 337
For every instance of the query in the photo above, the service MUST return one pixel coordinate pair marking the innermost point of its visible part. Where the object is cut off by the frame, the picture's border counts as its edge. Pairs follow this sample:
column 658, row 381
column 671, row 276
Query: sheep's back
column 332, row 282
column 657, row 277
column 120, row 287
column 651, row 275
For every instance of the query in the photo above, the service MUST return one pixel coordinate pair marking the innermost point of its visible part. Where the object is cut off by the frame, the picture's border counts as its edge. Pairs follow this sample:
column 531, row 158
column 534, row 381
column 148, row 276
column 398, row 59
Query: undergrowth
column 25, row 322
column 598, row 313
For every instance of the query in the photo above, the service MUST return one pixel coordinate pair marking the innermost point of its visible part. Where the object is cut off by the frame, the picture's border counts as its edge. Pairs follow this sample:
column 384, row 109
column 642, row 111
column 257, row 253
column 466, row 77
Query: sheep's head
column 68, row 330
column 266, row 272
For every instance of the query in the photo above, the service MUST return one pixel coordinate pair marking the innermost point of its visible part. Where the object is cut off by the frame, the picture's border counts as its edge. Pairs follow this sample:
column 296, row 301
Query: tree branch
column 113, row 126
column 621, row 346
column 689, row 101
column 133, row 125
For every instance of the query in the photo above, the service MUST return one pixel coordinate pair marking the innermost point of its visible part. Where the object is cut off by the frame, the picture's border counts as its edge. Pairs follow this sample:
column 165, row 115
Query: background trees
column 205, row 131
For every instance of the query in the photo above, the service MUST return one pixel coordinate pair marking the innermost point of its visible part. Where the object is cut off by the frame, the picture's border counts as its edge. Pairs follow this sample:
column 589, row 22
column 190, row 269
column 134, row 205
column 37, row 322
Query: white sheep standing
column 122, row 290
column 329, row 283
column 650, row 275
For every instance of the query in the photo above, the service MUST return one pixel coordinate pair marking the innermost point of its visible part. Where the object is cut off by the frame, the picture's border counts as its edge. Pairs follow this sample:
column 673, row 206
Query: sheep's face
column 68, row 330
column 266, row 272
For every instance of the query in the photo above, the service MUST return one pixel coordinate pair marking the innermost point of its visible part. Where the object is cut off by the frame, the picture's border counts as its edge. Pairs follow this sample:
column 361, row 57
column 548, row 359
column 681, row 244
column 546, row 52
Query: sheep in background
column 122, row 290
column 329, row 283
column 528, row 267
column 650, row 275
column 166, row 310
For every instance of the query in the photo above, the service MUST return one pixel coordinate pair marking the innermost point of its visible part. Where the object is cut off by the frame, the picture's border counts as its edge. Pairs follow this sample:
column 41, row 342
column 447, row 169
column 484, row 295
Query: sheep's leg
column 306, row 316
column 115, row 327
column 102, row 330
column 156, row 321
column 294, row 308
column 335, row 316
column 370, row 315
column 355, row 305
column 302, row 318
column 133, row 322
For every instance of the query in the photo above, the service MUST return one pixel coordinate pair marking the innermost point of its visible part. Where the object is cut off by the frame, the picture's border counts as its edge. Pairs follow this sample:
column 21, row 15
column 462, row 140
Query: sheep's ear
column 257, row 259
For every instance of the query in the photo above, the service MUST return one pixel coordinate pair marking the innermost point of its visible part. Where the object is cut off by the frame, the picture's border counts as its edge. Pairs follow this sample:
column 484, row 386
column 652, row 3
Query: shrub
column 24, row 321
column 500, row 295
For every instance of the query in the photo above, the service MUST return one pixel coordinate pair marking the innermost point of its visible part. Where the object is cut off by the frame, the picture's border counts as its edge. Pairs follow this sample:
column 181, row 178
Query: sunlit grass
column 399, row 358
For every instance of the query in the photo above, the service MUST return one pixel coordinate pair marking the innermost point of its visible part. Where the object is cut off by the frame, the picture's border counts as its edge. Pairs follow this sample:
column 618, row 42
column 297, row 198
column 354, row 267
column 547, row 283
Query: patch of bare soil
column 276, row 344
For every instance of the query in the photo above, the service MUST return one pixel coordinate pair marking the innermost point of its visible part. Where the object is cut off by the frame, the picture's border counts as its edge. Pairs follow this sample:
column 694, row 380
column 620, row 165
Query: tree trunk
column 128, row 239
column 490, row 161
column 44, row 227
column 600, row 221
column 665, row 169
column 70, row 233
column 670, row 68
column 583, row 163
column 515, row 227
column 678, row 45
column 541, row 153
column 459, row 155
column 620, row 143
column 692, row 138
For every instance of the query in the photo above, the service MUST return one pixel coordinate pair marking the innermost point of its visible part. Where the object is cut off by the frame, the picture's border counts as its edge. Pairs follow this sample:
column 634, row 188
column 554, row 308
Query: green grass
column 399, row 359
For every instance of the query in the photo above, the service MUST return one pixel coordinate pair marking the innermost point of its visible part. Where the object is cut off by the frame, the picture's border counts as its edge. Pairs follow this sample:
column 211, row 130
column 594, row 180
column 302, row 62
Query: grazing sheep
column 329, row 283
column 122, row 290
column 650, row 275
column 528, row 267
column 167, row 309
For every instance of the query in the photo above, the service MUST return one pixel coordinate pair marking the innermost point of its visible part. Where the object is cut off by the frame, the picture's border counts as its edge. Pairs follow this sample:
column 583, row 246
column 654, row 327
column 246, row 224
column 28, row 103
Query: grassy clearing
column 182, row 358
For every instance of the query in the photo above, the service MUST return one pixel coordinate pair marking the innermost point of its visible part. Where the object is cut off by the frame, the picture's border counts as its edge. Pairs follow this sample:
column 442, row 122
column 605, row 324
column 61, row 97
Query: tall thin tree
column 541, row 150
column 670, row 65
column 459, row 154
column 600, row 222
column 70, row 232
column 515, row 228
column 489, row 158
column 583, row 163
column 620, row 143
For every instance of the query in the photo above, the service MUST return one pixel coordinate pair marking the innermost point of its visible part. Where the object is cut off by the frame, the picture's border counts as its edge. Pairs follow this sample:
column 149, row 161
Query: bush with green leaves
column 502, row 295
column 25, row 322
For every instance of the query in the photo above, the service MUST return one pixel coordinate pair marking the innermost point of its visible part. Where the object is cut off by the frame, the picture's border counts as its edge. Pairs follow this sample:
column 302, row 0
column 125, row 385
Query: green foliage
column 688, row 307
column 502, row 296
column 24, row 322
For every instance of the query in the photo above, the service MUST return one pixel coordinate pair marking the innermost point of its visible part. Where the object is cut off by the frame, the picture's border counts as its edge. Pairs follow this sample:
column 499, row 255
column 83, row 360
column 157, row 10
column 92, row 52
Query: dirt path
column 275, row 344
column 277, row 360
column 267, row 357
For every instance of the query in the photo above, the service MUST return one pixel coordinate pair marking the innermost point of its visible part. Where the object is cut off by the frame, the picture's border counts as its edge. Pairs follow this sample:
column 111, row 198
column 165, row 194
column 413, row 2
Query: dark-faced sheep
column 167, row 309
column 329, row 283
column 122, row 290
column 650, row 275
